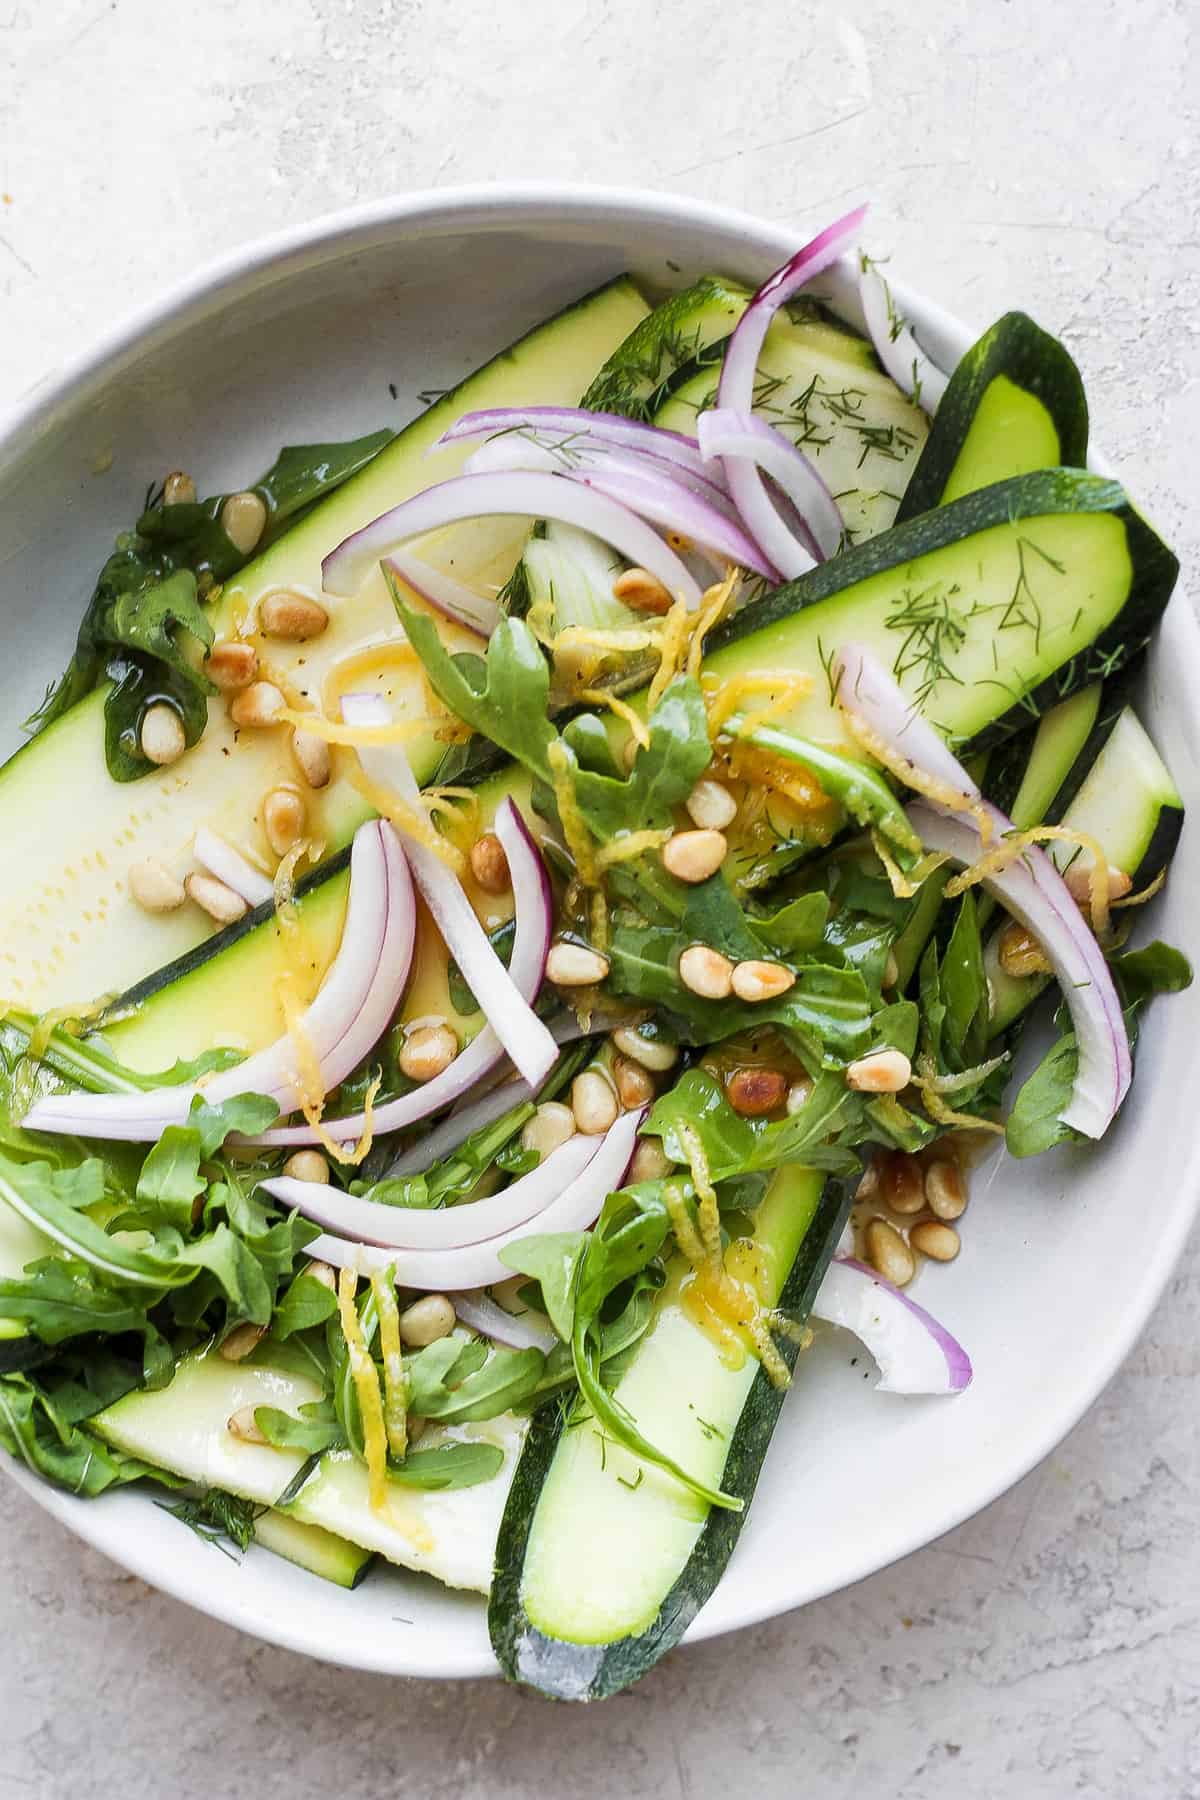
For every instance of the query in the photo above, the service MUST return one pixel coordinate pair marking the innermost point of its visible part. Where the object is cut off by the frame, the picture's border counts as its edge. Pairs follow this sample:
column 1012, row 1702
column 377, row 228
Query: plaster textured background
column 1018, row 154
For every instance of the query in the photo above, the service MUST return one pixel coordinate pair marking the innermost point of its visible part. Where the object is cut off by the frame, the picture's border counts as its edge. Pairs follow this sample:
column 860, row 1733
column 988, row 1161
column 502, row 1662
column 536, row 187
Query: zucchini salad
column 547, row 910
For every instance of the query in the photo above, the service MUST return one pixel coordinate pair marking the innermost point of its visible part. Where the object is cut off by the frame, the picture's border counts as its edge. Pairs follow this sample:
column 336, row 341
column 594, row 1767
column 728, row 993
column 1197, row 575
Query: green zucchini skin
column 1115, row 696
column 566, row 1671
column 1164, row 841
column 1048, row 491
column 1032, row 360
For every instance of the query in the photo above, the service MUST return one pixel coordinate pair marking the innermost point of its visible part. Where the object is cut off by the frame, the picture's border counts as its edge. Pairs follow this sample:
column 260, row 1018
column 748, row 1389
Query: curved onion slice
column 476, row 1308
column 445, row 1138
column 897, row 349
column 736, row 390
column 915, row 1354
column 479, row 1265
column 531, row 943
column 725, row 433
column 575, row 429
column 528, row 450
column 864, row 688
column 664, row 502
column 1036, row 895
column 231, row 867
column 512, row 494
column 360, row 993
column 449, row 597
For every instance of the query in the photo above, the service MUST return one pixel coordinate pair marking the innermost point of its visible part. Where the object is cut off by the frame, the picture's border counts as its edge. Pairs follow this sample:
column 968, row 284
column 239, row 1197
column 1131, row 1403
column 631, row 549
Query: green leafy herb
column 314, row 1429
column 219, row 1518
column 445, row 1466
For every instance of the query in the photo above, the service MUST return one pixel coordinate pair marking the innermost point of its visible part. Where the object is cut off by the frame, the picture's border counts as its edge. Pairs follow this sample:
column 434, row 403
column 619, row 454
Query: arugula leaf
column 445, row 1466
column 736, row 1146
column 859, row 788
column 963, row 987
column 501, row 1381
column 315, row 1429
column 32, row 1428
column 796, row 929
column 307, row 1302
column 552, row 1258
column 170, row 1181
column 1034, row 1124
column 1156, row 968
column 59, row 1298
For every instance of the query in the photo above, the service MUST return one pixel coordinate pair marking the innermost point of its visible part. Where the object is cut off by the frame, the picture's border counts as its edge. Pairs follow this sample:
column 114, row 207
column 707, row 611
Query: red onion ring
column 579, row 429
column 724, row 433
column 231, row 867
column 476, row 1308
column 866, row 690
column 447, row 596
column 894, row 344
column 915, row 1354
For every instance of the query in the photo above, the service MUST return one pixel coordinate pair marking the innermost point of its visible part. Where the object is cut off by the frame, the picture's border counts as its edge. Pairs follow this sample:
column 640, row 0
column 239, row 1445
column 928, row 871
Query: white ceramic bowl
column 1063, row 1259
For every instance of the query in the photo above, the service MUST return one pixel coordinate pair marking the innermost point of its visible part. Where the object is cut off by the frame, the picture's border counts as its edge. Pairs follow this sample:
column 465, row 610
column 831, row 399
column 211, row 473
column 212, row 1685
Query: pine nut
column 706, row 972
column 755, row 1092
column 551, row 1126
column 901, row 1182
column 757, row 981
column 179, row 489
column 426, row 1320
column 642, row 591
column 882, row 1072
column 891, row 971
column 650, row 1161
column 939, row 1242
column 945, row 1190
column 307, row 1165
column 889, row 1254
column 428, row 1051
column 799, row 1094
column 711, row 805
column 489, row 864
column 217, row 900
column 1079, row 879
column 322, row 1272
column 161, row 735
column 237, row 1346
column 312, row 757
column 292, row 617
column 1020, row 953
column 635, row 1086
column 257, row 706
column 243, row 1425
column 231, row 665
column 693, row 856
column 593, row 1103
column 655, row 1054
column 575, row 965
column 284, row 817
column 243, row 520
column 154, row 887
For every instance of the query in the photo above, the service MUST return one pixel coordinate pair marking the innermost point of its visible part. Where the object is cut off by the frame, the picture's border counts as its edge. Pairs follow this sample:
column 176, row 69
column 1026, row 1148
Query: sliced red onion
column 575, row 430
column 895, row 346
column 437, row 1228
column 866, row 690
column 356, row 1002
column 534, row 916
column 511, row 494
column 666, row 503
column 476, row 1308
column 449, row 597
column 723, row 433
column 550, row 453
column 434, row 1146
column 736, row 391
column 231, row 867
column 915, row 1354
column 479, row 1265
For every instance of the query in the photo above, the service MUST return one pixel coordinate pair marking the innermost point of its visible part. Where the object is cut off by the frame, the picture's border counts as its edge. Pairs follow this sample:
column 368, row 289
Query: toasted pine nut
column 489, row 864
column 243, row 520
column 799, row 1094
column 575, row 965
column 291, row 616
column 945, row 1190
column 154, row 887
column 642, row 591
column 933, row 1239
column 901, row 1182
column 161, row 735
column 243, row 1425
column 312, row 757
column 307, row 1165
column 888, row 1252
column 754, row 1092
column 634, row 1084
column 257, row 706
column 655, row 1054
column 237, row 1346
column 694, row 855
column 179, row 489
column 321, row 1271
column 757, row 981
column 711, row 805
column 1020, row 953
column 427, row 1051
column 426, row 1320
column 231, row 665
column 284, row 817
column 891, row 970
column 593, row 1103
column 882, row 1072
column 551, row 1126
column 706, row 972
column 217, row 900
column 1079, row 879
column 650, row 1161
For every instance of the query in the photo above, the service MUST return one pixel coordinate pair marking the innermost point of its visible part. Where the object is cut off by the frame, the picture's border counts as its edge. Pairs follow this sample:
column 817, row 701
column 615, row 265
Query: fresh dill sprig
column 219, row 1518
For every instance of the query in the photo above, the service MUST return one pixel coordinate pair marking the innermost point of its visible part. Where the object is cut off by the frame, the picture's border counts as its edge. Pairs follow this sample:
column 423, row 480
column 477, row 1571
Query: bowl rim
column 491, row 207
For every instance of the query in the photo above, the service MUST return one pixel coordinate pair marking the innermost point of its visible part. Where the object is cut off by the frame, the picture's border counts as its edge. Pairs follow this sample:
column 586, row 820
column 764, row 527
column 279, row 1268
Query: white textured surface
column 1018, row 155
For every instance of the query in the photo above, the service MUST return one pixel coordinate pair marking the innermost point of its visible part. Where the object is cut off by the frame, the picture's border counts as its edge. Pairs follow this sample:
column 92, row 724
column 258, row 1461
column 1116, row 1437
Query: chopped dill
column 219, row 1518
